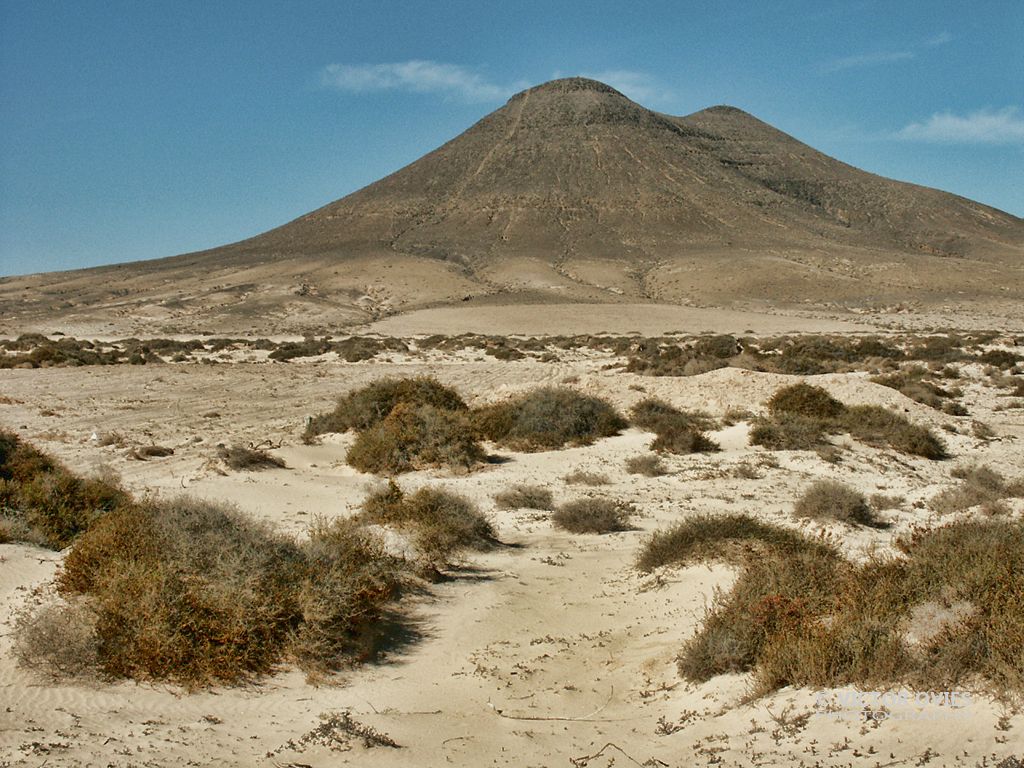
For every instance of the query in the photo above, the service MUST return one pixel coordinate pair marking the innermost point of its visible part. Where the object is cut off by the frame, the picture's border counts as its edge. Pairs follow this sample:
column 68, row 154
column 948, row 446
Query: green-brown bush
column 805, row 617
column 241, row 457
column 547, row 419
column 650, row 465
column 804, row 400
column 801, row 415
column 370, row 405
column 186, row 591
column 677, row 431
column 197, row 593
column 979, row 486
column 415, row 437
column 832, row 500
column 441, row 522
column 721, row 537
column 593, row 515
column 42, row 502
column 525, row 497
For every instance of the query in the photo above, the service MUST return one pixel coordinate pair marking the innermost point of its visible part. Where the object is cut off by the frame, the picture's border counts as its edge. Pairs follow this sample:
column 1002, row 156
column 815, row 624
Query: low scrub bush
column 240, row 457
column 42, row 502
column 677, row 431
column 525, row 497
column 979, row 486
column 196, row 593
column 593, row 515
column 370, row 405
column 882, row 427
column 580, row 477
column 441, row 523
column 802, row 616
column 186, row 591
column 832, row 500
column 731, row 538
column 649, row 466
column 801, row 416
column 547, row 419
column 804, row 400
column 415, row 437
column 791, row 433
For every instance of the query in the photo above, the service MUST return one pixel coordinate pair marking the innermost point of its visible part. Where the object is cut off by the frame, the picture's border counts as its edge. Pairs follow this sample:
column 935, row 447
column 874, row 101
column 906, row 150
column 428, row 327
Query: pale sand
column 531, row 656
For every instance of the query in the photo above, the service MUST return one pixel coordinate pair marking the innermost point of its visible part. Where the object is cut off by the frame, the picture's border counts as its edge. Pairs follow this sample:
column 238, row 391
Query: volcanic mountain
column 571, row 192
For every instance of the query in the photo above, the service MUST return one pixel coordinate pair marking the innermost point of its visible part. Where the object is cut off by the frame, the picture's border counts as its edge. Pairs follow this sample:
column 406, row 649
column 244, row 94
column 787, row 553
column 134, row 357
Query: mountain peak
column 567, row 85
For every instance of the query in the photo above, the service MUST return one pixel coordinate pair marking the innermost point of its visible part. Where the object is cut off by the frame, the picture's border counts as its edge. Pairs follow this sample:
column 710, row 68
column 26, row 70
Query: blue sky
column 133, row 130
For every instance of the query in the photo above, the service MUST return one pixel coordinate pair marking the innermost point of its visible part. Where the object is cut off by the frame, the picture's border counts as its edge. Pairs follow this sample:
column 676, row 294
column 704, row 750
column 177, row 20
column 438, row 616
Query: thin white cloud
column 416, row 76
column 940, row 39
column 986, row 126
column 866, row 60
column 639, row 86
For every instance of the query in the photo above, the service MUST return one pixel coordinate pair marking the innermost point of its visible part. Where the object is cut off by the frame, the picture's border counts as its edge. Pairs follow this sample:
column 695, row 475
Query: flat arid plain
column 280, row 505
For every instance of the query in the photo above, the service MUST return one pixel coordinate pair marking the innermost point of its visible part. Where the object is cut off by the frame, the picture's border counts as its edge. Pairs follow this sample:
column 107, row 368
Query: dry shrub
column 525, row 497
column 832, row 500
column 348, row 580
column 147, row 452
column 240, row 457
column 800, row 417
column 677, row 431
column 415, row 437
column 42, row 502
column 187, row 591
column 910, row 382
column 580, row 477
column 546, row 419
column 802, row 616
column 371, row 404
column 441, row 522
column 58, row 639
column 789, row 433
column 804, row 400
column 980, row 485
column 881, row 427
column 649, row 466
column 592, row 515
column 721, row 537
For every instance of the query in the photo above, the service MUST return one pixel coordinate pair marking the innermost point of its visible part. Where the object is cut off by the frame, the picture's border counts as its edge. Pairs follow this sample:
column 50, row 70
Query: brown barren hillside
column 573, row 193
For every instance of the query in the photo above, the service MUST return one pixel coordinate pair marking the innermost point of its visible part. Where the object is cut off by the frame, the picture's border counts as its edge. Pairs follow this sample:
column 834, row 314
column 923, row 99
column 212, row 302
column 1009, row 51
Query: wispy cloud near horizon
column 940, row 39
column 416, row 76
column 984, row 126
column 865, row 60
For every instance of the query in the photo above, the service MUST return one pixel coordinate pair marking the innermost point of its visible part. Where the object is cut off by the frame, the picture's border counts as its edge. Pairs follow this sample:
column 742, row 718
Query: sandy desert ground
column 552, row 651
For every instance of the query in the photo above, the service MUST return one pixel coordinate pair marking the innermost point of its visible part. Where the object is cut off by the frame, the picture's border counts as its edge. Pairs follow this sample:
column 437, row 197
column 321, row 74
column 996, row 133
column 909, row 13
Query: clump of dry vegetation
column 912, row 381
column 801, row 615
column 593, row 515
column 677, row 431
column 42, row 502
column 979, row 486
column 650, row 465
column 727, row 537
column 440, row 522
column 547, row 419
column 832, row 500
column 800, row 417
column 415, row 437
column 197, row 593
column 525, row 497
column 370, row 405
column 582, row 477
column 242, row 457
